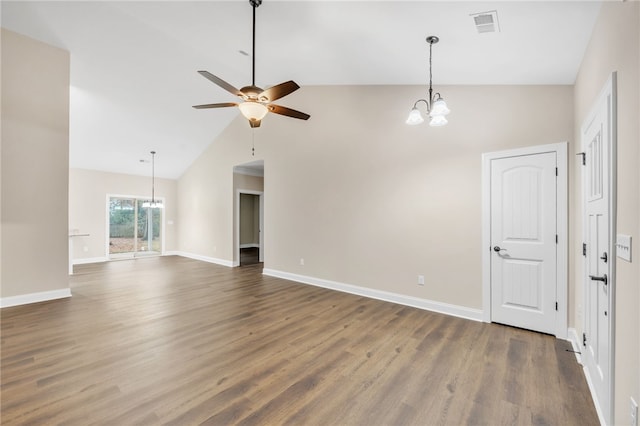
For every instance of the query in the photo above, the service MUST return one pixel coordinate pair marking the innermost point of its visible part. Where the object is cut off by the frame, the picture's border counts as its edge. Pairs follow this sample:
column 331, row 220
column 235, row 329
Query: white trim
column 208, row 259
column 572, row 337
column 608, row 94
column 592, row 389
column 248, row 171
column 561, row 229
column 251, row 245
column 428, row 305
column 90, row 260
column 42, row 296
column 577, row 349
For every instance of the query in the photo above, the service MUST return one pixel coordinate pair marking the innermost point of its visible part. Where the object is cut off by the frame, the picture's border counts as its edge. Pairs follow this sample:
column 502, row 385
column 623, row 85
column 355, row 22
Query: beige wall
column 35, row 166
column 615, row 46
column 88, row 192
column 248, row 182
column 249, row 219
column 364, row 198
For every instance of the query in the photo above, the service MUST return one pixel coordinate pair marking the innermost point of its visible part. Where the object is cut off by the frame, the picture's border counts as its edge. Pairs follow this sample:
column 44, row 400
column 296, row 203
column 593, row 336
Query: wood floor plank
column 176, row 341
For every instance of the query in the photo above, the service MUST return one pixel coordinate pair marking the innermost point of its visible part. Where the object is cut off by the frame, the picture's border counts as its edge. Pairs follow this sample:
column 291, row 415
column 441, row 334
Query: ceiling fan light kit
column 253, row 111
column 255, row 102
column 436, row 106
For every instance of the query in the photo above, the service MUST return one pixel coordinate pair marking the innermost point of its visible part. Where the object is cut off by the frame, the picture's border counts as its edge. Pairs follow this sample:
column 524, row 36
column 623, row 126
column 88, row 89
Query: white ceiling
column 133, row 64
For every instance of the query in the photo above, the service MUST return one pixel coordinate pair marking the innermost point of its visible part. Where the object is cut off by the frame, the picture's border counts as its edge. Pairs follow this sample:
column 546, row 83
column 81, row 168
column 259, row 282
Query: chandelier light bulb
column 439, row 107
column 438, row 121
column 414, row 117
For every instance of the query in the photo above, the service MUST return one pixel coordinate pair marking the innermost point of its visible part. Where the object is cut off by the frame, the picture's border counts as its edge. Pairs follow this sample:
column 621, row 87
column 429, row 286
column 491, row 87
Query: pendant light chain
column 153, row 176
column 430, row 79
column 153, row 204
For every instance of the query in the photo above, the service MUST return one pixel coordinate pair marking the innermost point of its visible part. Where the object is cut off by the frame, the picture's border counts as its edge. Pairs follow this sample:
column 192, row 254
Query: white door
column 523, row 241
column 597, row 283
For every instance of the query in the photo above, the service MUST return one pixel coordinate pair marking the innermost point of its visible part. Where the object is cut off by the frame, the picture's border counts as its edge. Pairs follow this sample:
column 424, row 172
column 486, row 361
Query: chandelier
column 436, row 106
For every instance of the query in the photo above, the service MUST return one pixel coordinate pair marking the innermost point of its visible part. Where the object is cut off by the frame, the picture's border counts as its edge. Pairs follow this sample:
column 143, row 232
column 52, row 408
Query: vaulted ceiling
column 133, row 64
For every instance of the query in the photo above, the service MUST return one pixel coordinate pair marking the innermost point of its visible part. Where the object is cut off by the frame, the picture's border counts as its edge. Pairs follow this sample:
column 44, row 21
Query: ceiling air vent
column 486, row 22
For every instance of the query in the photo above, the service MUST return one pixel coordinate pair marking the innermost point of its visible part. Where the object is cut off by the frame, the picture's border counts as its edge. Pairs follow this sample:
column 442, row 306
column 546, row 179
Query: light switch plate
column 623, row 247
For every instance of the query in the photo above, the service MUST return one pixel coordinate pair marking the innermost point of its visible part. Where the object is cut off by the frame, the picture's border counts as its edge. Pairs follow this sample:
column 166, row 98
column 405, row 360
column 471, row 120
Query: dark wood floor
column 170, row 340
column 249, row 256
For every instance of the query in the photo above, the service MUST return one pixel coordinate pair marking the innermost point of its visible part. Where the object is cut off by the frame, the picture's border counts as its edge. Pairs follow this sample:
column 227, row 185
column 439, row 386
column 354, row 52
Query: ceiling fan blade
column 220, row 105
column 255, row 123
column 277, row 109
column 278, row 91
column 220, row 82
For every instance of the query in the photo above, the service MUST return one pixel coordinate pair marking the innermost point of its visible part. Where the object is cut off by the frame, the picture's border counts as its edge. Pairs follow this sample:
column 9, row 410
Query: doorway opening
column 249, row 223
column 248, row 182
column 133, row 230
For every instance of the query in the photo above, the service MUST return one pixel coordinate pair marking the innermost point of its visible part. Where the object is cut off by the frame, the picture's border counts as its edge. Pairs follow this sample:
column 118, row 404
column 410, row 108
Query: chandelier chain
column 153, row 176
column 430, row 70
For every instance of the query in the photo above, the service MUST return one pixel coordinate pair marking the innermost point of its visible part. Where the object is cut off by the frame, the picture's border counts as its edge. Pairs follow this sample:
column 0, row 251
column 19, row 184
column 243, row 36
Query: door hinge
column 556, row 171
column 584, row 158
column 556, row 238
column 584, row 249
column 584, row 339
column 556, row 306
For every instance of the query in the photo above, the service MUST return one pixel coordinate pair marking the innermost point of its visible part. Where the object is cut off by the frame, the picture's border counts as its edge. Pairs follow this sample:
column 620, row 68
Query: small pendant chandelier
column 436, row 106
column 153, row 204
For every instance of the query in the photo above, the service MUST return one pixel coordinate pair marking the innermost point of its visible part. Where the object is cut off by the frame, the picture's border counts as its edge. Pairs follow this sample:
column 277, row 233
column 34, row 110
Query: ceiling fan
column 256, row 102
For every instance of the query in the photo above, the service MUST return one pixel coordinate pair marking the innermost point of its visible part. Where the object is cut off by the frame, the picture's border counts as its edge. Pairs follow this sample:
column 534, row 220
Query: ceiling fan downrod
column 254, row 4
column 255, row 102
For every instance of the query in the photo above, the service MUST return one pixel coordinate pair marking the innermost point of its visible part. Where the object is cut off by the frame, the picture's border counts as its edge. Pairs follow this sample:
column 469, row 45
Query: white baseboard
column 217, row 261
column 428, row 305
column 90, row 260
column 576, row 343
column 251, row 245
column 43, row 296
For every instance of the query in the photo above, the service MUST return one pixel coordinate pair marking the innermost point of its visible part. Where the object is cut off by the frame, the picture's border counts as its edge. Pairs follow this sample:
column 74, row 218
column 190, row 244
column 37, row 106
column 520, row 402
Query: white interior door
column 523, row 241
column 596, row 143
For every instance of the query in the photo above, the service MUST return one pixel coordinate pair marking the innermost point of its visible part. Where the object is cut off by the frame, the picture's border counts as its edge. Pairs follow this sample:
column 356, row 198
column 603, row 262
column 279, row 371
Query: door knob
column 603, row 279
column 497, row 249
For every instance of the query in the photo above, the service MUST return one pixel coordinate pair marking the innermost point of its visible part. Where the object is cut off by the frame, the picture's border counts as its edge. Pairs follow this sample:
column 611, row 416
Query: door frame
column 236, row 231
column 607, row 94
column 108, row 223
column 561, row 328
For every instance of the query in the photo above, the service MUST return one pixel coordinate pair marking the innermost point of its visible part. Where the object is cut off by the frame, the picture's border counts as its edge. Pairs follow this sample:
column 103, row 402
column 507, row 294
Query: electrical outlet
column 634, row 412
column 420, row 279
column 301, row 261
